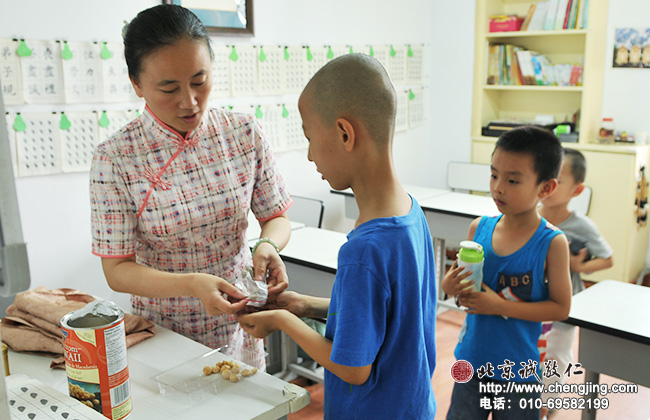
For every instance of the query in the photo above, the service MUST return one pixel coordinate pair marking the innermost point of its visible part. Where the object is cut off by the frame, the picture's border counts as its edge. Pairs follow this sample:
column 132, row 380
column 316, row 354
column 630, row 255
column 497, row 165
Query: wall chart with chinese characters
column 64, row 97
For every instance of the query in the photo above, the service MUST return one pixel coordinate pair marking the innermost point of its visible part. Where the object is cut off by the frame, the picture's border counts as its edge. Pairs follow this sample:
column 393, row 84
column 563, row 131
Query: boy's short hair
column 541, row 144
column 577, row 163
column 355, row 85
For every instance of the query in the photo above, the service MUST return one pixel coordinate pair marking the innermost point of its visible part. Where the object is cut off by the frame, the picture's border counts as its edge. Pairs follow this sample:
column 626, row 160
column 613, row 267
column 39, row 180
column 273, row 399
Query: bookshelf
column 570, row 46
column 613, row 206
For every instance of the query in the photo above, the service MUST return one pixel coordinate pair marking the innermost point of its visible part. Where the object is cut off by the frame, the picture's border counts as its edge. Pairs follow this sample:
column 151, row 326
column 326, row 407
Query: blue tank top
column 509, row 345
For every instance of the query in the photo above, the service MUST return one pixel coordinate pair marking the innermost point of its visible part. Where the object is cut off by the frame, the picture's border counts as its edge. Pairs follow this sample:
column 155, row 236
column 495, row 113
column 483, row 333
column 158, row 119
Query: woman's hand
column 267, row 263
column 451, row 283
column 210, row 289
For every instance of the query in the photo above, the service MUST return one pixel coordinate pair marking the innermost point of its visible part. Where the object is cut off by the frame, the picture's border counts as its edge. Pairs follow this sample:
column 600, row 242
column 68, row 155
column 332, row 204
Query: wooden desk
column 262, row 396
column 613, row 317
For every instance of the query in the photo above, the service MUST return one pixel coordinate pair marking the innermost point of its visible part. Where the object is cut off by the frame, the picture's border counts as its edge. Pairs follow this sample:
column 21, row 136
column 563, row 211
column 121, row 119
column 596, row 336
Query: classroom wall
column 55, row 210
column 626, row 90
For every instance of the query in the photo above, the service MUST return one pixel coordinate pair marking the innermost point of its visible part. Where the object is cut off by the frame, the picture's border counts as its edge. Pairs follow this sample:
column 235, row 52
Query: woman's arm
column 266, row 260
column 127, row 276
column 278, row 229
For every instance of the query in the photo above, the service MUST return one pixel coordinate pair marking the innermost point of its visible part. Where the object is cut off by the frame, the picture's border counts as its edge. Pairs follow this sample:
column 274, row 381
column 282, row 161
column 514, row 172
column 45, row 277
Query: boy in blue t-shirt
column 499, row 337
column 379, row 349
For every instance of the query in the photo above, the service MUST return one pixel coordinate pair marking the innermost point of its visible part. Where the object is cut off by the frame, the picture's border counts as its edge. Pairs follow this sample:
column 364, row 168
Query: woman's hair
column 157, row 27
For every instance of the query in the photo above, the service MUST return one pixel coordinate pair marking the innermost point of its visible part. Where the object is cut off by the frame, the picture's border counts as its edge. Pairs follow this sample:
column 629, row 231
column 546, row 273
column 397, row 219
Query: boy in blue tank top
column 526, row 281
column 379, row 349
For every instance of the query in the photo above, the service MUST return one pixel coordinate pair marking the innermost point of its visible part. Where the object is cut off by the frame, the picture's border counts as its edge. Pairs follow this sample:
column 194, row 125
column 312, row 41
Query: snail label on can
column 94, row 343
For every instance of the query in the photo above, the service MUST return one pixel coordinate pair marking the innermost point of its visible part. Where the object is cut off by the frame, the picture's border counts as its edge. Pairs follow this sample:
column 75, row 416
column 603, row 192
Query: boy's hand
column 484, row 303
column 451, row 283
column 291, row 301
column 576, row 262
column 261, row 324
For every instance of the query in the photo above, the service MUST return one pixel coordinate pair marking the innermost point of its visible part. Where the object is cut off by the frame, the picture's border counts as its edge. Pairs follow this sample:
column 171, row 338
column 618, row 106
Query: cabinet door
column 613, row 177
column 482, row 152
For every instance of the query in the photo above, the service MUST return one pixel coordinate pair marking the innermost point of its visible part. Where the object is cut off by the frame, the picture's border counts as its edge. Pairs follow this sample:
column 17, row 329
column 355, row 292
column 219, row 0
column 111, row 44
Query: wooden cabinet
column 585, row 46
column 612, row 173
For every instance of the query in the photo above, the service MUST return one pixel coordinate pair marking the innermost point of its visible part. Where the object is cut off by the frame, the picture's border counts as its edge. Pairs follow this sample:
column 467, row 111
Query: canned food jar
column 606, row 132
column 94, row 343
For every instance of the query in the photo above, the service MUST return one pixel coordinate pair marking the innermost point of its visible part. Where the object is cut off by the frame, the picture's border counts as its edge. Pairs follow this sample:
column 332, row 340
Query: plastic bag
column 257, row 292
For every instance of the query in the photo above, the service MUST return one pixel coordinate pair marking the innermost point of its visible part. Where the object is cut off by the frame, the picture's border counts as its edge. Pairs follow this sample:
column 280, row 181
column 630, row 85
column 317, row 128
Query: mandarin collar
column 153, row 123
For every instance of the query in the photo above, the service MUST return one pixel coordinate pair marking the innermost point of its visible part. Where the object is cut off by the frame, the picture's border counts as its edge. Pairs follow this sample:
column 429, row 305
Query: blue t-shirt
column 383, row 312
column 510, row 343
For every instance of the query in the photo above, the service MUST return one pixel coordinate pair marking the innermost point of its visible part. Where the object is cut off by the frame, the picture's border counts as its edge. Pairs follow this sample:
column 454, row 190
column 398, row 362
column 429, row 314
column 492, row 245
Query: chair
column 581, row 203
column 306, row 210
column 468, row 177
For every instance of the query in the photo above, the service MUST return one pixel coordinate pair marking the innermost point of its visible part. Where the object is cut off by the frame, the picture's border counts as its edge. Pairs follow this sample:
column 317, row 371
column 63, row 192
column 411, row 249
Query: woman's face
column 175, row 81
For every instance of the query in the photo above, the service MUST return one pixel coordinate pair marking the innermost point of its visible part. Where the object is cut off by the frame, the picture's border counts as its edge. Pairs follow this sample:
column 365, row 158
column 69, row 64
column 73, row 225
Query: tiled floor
column 622, row 406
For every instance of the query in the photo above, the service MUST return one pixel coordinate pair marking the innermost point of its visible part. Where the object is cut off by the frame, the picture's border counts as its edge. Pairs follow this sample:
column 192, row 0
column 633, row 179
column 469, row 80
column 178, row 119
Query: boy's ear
column 579, row 189
column 548, row 187
column 346, row 134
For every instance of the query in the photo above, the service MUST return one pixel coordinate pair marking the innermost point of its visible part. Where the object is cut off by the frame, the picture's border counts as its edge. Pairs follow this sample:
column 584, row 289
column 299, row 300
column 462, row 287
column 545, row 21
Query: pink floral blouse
column 180, row 205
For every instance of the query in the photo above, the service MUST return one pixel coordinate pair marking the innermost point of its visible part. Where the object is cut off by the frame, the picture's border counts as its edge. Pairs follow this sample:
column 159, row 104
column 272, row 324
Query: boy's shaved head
column 355, row 85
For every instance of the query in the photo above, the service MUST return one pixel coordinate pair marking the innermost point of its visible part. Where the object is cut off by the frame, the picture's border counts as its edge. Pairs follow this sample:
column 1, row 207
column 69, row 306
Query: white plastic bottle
column 471, row 257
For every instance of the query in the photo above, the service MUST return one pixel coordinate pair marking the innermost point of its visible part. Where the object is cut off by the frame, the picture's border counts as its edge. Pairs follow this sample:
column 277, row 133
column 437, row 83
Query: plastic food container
column 187, row 384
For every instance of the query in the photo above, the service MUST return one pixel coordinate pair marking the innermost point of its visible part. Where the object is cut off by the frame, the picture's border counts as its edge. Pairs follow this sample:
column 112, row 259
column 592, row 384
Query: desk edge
column 449, row 212
column 608, row 330
column 308, row 264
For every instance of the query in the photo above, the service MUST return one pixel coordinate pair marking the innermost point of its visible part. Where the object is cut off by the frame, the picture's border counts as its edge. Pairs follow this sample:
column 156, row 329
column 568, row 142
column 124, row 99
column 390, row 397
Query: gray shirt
column 580, row 228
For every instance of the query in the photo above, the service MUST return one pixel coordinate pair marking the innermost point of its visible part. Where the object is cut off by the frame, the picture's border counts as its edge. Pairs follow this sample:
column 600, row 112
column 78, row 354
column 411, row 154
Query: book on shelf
column 492, row 66
column 551, row 13
column 529, row 16
column 560, row 15
column 511, row 65
column 580, row 14
column 539, row 16
column 567, row 15
column 585, row 15
column 573, row 14
column 576, row 76
column 517, row 76
column 526, row 67
column 556, row 15
column 537, row 67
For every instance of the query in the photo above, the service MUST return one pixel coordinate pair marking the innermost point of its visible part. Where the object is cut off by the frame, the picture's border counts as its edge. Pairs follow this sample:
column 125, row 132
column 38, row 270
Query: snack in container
column 190, row 383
